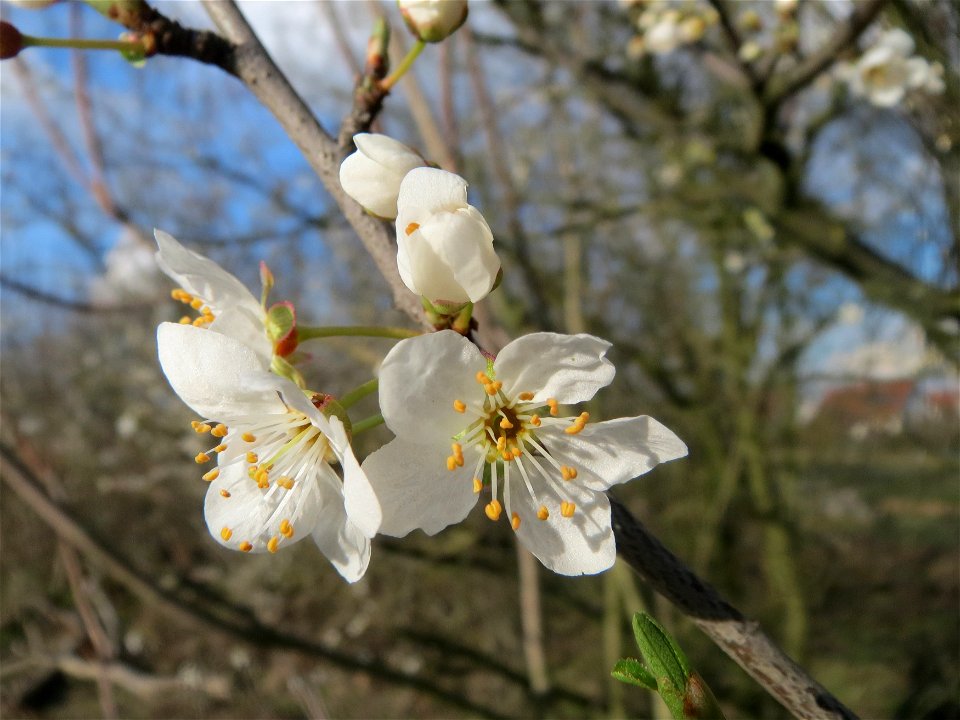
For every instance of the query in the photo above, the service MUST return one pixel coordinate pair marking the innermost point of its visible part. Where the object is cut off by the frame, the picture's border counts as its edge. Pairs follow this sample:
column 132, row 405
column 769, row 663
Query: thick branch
column 741, row 639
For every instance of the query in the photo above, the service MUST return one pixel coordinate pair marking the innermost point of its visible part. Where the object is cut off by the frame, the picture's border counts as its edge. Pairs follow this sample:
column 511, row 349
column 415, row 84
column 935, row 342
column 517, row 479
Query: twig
column 741, row 639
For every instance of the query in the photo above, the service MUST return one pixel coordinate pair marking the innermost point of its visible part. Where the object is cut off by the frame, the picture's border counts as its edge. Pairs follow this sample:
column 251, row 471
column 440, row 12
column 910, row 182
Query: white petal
column 416, row 490
column 254, row 515
column 613, row 452
column 463, row 241
column 570, row 368
column 419, row 380
column 359, row 498
column 422, row 268
column 240, row 323
column 887, row 96
column 425, row 191
column 203, row 277
column 344, row 545
column 207, row 370
column 372, row 175
column 897, row 40
column 580, row 545
column 388, row 152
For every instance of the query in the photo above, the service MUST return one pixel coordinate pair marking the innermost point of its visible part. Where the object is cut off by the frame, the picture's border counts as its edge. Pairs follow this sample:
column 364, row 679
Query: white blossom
column 465, row 426
column 372, row 175
column 444, row 246
column 273, row 484
column 433, row 20
column 888, row 70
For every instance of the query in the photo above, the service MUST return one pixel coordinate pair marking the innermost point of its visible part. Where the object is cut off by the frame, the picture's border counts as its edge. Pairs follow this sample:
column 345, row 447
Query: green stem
column 391, row 80
column 130, row 46
column 358, row 393
column 311, row 333
column 367, row 423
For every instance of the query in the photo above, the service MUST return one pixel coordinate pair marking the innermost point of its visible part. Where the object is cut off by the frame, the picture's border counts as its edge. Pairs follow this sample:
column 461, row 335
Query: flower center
column 196, row 303
column 503, row 433
column 279, row 452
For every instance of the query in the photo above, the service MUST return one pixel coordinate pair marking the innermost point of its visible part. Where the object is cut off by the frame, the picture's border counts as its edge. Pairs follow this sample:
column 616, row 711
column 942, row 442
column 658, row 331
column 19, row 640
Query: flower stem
column 391, row 80
column 358, row 393
column 367, row 423
column 129, row 46
column 310, row 333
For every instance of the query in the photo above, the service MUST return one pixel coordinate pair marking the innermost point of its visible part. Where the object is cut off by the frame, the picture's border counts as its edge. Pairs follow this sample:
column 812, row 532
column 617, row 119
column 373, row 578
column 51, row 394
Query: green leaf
column 666, row 660
column 632, row 671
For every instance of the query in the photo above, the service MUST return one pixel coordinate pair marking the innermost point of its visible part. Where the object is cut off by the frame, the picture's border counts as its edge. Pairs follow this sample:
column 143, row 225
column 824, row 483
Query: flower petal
column 359, row 499
column 425, row 191
column 580, row 545
column 373, row 174
column 416, row 490
column 421, row 267
column 470, row 255
column 254, row 515
column 613, row 452
column 207, row 369
column 343, row 543
column 570, row 368
column 419, row 380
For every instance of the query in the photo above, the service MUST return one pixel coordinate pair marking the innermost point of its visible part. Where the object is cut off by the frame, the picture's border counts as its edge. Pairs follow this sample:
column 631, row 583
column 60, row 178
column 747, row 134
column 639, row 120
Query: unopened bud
column 433, row 20
column 281, row 324
column 378, row 60
column 11, row 41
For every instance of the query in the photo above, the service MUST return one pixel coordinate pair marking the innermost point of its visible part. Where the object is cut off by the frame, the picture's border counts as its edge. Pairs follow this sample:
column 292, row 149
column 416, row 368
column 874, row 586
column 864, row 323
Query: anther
column 492, row 388
column 515, row 522
column 199, row 322
column 201, row 458
column 220, row 448
column 501, row 443
column 506, row 455
column 526, row 396
column 272, row 544
column 517, row 452
column 578, row 424
column 177, row 293
column 195, row 424
column 482, row 378
column 535, row 420
column 212, row 475
column 226, row 533
column 286, row 529
column 567, row 508
column 249, row 437
column 412, row 228
column 552, row 404
column 493, row 510
column 196, row 303
column 202, row 428
column 245, row 546
column 505, row 424
column 252, row 471
column 186, row 320
column 285, row 482
column 459, row 406
column 452, row 463
column 252, row 458
column 457, row 449
column 219, row 431
column 477, row 485
column 568, row 473
column 224, row 493
column 543, row 513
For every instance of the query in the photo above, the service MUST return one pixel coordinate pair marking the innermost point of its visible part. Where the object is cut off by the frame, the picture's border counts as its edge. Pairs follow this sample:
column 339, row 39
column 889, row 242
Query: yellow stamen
column 226, row 533
column 535, row 420
column 199, row 322
column 285, row 482
column 286, row 529
column 501, row 443
column 245, row 546
column 201, row 458
column 492, row 388
column 272, row 544
column 578, row 424
column 506, row 455
column 219, row 431
column 185, row 320
column 568, row 473
column 526, row 396
column 177, row 293
column 212, row 475
column 202, row 428
column 224, row 493
column 482, row 378
column 220, row 448
column 452, row 463
column 515, row 522
column 196, row 303
column 552, row 404
column 477, row 485
column 249, row 437
column 457, row 452
column 505, row 424
column 252, row 458
column 493, row 510
column 195, row 424
column 543, row 513
column 459, row 406
column 567, row 508
column 517, row 452
column 412, row 228
column 252, row 471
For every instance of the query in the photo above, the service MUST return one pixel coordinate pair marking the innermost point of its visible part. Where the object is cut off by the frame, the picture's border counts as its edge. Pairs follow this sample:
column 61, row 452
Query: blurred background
column 776, row 264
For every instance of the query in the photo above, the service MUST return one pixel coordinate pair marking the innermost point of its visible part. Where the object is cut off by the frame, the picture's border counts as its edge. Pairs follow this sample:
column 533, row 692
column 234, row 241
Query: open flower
column 372, row 175
column 223, row 302
column 433, row 20
column 444, row 246
column 885, row 72
column 466, row 426
column 273, row 484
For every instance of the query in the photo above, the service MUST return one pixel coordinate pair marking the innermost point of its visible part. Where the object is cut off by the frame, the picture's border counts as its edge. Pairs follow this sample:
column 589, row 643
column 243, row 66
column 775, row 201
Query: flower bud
column 444, row 246
column 11, row 41
column 433, row 20
column 372, row 175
